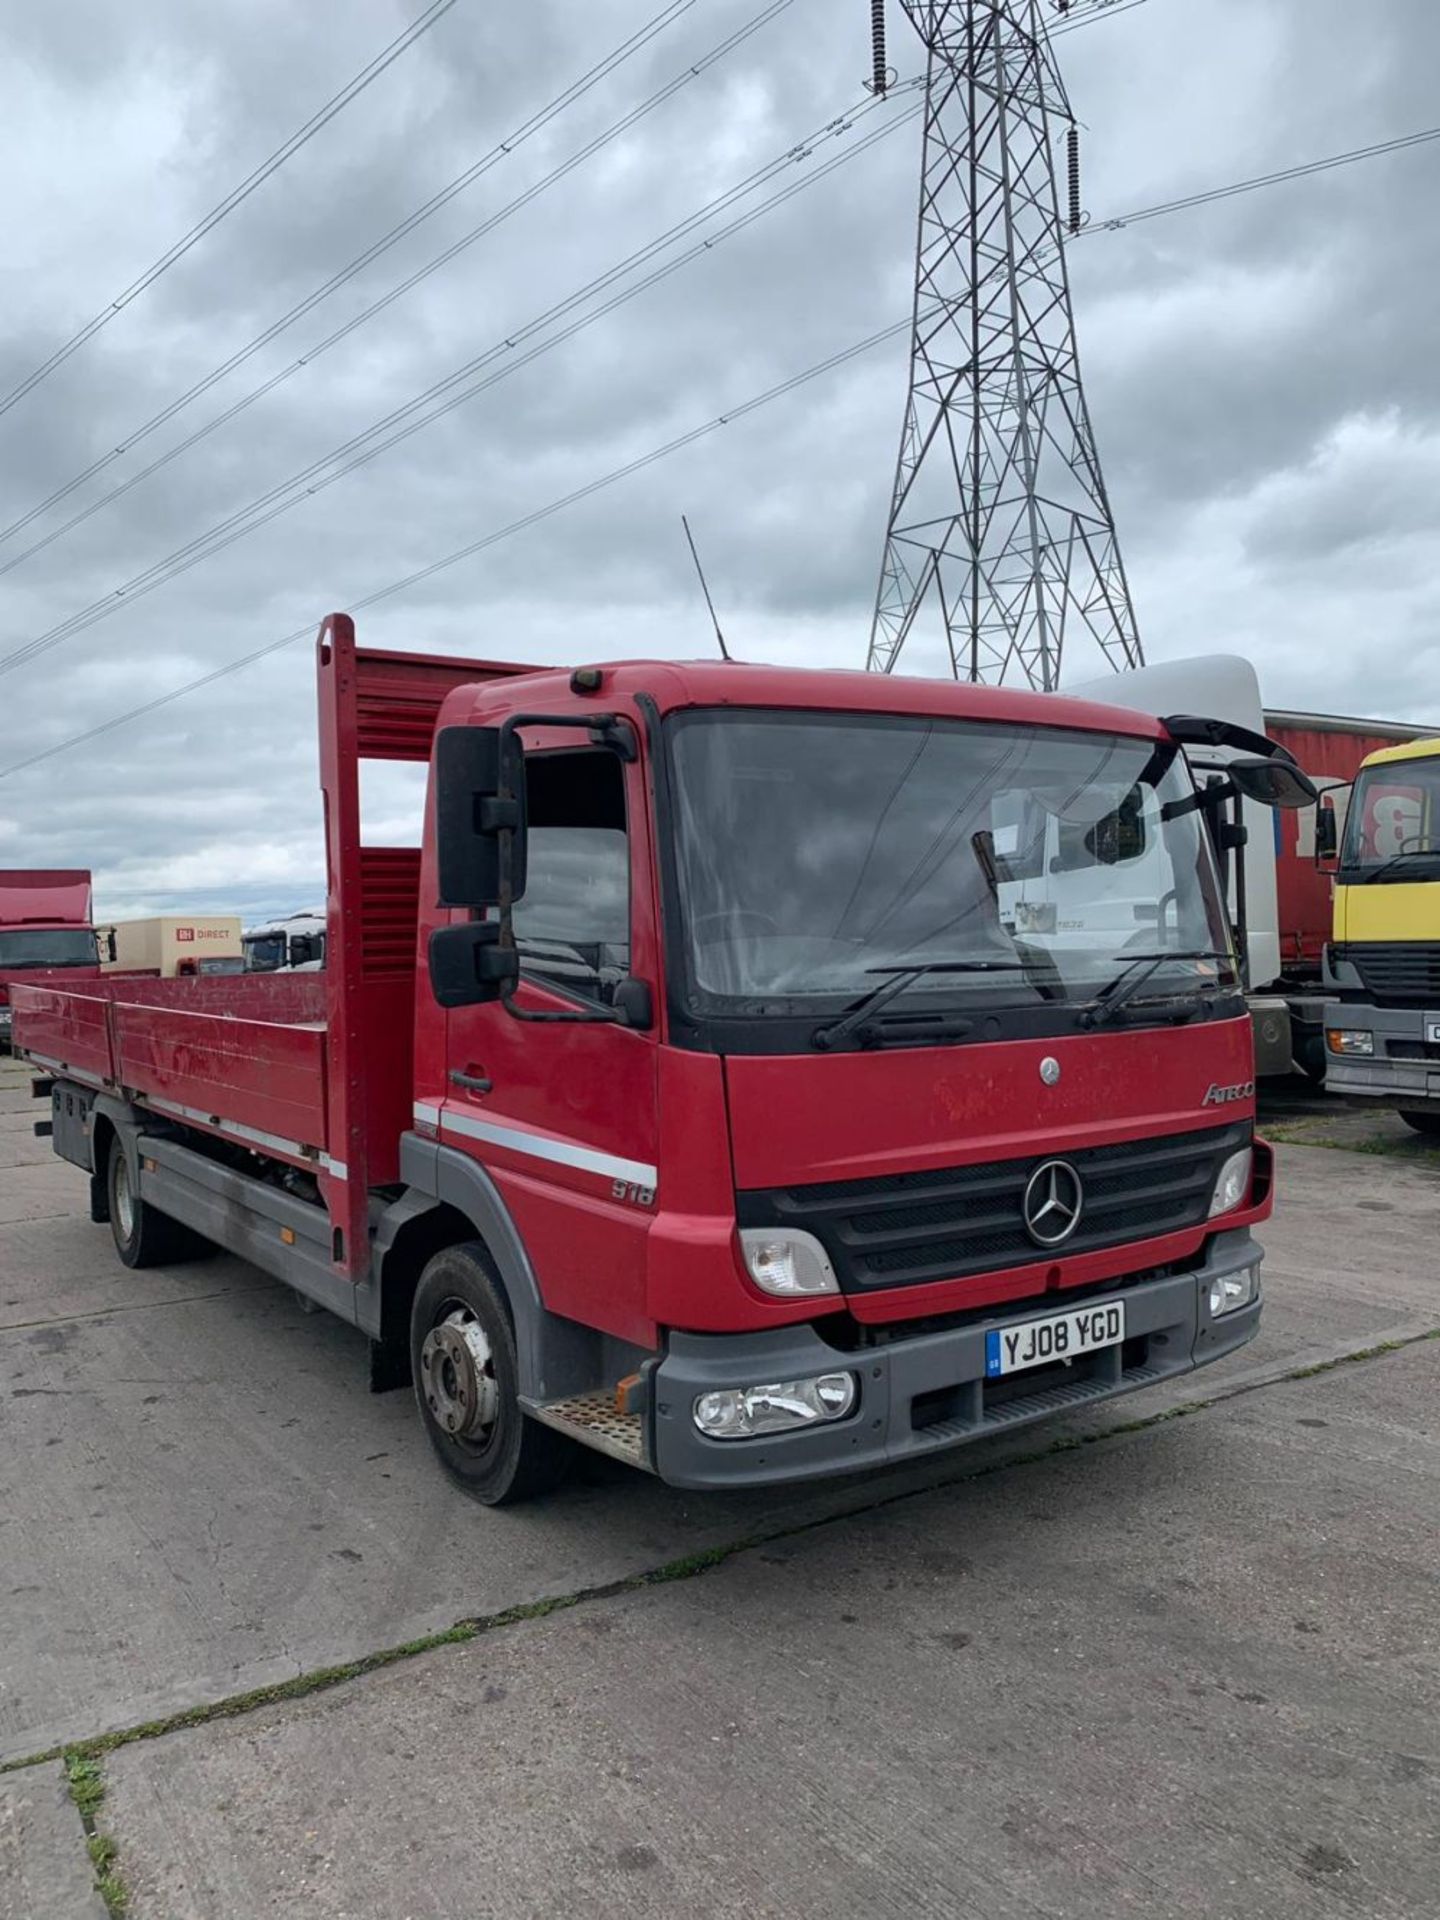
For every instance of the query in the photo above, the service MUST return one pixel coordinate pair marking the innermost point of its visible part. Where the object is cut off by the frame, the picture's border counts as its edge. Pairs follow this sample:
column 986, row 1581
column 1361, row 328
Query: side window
column 573, row 925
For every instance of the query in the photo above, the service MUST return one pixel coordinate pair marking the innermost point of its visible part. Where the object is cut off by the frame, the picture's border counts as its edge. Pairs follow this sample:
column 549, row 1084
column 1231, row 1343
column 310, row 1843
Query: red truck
column 754, row 1074
column 45, row 922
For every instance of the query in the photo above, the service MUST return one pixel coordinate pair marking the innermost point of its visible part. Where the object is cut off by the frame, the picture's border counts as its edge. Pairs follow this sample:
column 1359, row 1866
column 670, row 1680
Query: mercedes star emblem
column 1050, row 1070
column 1054, row 1201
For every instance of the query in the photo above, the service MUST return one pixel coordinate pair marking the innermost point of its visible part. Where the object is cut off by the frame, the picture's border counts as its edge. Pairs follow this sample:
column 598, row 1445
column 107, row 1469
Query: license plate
column 1059, row 1336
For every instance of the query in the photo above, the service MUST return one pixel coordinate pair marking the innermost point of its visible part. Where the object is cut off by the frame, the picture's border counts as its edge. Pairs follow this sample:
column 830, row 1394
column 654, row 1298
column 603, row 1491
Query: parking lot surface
column 1089, row 1670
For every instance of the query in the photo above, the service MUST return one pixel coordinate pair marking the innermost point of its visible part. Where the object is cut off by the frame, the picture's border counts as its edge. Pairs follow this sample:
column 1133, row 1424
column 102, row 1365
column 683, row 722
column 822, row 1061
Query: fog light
column 787, row 1264
column 1230, row 1291
column 1232, row 1184
column 742, row 1413
column 1350, row 1040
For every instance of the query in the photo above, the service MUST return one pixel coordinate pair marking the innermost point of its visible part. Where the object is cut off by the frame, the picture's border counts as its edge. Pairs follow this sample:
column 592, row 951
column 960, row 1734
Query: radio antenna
column 704, row 588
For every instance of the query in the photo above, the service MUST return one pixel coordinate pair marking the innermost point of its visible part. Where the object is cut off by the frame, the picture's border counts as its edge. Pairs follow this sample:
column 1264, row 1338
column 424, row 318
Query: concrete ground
column 1189, row 1667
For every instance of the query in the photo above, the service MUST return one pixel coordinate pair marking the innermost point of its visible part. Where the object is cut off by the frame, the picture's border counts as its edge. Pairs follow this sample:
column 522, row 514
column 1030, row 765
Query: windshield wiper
column 1120, row 991
column 1398, row 859
column 904, row 974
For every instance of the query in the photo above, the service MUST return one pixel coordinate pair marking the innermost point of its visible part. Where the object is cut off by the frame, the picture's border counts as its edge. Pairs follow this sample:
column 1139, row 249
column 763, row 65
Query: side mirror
column 110, row 945
column 1327, row 834
column 1273, row 783
column 468, row 966
column 634, row 1006
column 479, row 816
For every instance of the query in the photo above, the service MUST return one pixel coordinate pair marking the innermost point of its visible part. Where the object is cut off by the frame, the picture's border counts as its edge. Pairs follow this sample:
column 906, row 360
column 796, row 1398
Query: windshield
column 1394, row 815
column 263, row 951
column 816, row 852
column 47, row 947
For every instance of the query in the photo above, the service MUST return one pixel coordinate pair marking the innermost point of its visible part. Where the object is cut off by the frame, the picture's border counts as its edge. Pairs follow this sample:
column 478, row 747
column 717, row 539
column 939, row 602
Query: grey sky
column 1261, row 373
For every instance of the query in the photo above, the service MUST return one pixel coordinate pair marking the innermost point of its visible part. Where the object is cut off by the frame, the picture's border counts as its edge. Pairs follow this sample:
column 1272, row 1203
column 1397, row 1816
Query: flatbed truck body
column 654, row 1197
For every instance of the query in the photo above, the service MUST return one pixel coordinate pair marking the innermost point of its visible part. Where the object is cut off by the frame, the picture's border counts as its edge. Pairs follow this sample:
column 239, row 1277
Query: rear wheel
column 143, row 1236
column 1421, row 1121
column 462, row 1356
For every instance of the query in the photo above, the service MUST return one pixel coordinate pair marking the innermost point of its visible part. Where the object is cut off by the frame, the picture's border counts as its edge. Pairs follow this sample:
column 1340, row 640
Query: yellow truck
column 170, row 945
column 1382, row 968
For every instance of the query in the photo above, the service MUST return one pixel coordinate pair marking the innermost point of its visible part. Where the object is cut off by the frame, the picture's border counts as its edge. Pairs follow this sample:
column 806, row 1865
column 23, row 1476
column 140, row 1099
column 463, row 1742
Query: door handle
column 472, row 1082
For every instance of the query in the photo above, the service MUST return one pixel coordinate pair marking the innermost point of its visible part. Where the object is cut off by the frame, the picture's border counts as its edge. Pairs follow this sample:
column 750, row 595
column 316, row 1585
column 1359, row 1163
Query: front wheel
column 1422, row 1122
column 462, row 1356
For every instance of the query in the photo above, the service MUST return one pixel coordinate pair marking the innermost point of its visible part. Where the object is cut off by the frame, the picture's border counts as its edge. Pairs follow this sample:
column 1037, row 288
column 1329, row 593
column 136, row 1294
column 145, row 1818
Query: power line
column 1114, row 224
column 301, row 137
column 399, row 425
column 1093, row 10
column 627, row 48
column 292, row 492
column 500, row 151
column 528, row 520
column 645, row 460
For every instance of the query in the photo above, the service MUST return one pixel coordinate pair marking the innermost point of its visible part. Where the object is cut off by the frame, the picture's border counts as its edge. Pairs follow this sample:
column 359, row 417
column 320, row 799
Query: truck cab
column 298, row 940
column 1383, row 967
column 45, row 924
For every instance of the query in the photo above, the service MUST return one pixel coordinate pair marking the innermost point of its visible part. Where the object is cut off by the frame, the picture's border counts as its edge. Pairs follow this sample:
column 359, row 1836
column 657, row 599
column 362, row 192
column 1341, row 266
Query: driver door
column 563, row 1112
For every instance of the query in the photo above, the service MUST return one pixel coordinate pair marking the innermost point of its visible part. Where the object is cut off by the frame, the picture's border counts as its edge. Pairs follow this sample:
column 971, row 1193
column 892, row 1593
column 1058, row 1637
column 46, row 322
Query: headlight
column 740, row 1413
column 1232, row 1183
column 1350, row 1040
column 787, row 1264
column 1230, row 1291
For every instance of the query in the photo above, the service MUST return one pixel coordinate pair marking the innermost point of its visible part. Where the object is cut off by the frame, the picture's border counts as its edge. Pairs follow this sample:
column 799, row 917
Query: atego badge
column 1222, row 1096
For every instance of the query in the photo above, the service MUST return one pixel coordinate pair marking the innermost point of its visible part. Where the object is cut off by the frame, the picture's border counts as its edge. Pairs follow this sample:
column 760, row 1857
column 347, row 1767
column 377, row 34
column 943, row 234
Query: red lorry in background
column 45, row 922
column 754, row 1074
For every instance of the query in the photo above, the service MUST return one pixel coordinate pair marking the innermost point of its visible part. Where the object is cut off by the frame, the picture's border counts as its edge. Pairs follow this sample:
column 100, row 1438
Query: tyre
column 1310, row 1056
column 462, row 1357
column 144, row 1237
column 1421, row 1121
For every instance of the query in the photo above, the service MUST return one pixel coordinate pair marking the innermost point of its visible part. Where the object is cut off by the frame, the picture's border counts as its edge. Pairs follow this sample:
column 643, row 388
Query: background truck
column 45, row 922
column 703, row 1087
column 297, row 940
column 170, row 946
column 1383, row 967
column 1287, row 885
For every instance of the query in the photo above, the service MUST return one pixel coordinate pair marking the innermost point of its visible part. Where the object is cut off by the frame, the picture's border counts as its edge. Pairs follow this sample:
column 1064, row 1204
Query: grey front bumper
column 1378, row 1077
column 1170, row 1315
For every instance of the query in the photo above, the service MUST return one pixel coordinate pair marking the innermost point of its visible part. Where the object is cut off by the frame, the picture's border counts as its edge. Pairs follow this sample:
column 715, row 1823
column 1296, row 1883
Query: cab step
column 592, row 1419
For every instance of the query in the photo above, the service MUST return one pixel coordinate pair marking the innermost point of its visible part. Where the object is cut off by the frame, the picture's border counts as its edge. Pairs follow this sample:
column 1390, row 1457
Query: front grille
column 1396, row 971
column 909, row 1228
column 988, row 1406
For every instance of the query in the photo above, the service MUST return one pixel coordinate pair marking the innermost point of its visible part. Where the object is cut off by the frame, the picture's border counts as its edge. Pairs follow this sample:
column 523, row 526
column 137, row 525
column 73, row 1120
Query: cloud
column 1261, row 373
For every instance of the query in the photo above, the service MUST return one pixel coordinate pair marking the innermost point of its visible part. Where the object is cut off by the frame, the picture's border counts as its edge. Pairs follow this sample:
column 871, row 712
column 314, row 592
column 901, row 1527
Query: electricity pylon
column 1000, row 534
